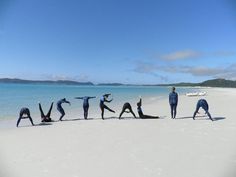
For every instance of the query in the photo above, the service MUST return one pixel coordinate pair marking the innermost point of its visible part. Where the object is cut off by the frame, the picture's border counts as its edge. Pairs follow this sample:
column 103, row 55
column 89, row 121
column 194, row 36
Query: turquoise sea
column 16, row 96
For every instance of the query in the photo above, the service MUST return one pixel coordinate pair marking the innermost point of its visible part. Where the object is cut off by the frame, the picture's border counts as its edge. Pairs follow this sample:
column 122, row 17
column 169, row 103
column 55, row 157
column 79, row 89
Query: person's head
column 64, row 99
column 173, row 89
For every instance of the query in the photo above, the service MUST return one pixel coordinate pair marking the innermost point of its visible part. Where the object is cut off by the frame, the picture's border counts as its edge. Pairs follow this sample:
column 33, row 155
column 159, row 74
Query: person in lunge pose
column 26, row 112
column 85, row 104
column 103, row 106
column 59, row 107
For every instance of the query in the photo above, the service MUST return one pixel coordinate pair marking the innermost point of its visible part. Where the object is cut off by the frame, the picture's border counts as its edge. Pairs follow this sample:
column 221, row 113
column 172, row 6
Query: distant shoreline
column 209, row 83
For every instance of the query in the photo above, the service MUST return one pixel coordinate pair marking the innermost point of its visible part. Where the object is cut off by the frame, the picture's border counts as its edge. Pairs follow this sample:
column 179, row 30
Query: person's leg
column 19, row 119
column 132, row 112
column 102, row 112
column 209, row 115
column 196, row 111
column 174, row 108
column 62, row 113
column 31, row 120
column 49, row 112
column 106, row 107
column 122, row 111
column 28, row 115
column 41, row 111
column 85, row 112
column 207, row 112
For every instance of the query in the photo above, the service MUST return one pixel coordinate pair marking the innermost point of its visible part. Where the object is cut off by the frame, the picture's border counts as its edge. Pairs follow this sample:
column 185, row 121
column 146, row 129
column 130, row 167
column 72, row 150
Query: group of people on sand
column 127, row 108
column 173, row 101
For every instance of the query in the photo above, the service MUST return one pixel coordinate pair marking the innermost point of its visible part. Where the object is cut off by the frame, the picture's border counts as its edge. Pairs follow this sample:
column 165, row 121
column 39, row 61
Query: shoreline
column 149, row 103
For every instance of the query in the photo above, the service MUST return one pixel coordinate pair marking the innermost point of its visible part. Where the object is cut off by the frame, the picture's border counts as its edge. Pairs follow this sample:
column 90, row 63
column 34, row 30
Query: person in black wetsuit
column 140, row 112
column 202, row 103
column 173, row 101
column 24, row 111
column 125, row 107
column 103, row 106
column 85, row 104
column 60, row 109
column 47, row 117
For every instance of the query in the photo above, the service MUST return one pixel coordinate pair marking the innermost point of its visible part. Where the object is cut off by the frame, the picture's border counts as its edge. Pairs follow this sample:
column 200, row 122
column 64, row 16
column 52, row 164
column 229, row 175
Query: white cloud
column 150, row 69
column 80, row 78
column 191, row 54
column 179, row 55
column 227, row 72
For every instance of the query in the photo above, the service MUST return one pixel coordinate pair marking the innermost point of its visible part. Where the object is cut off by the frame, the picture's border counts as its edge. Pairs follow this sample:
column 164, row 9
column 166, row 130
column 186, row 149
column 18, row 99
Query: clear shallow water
column 16, row 96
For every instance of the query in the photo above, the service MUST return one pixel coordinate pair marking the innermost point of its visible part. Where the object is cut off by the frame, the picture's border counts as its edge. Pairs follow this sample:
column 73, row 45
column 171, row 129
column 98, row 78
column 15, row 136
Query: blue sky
column 127, row 41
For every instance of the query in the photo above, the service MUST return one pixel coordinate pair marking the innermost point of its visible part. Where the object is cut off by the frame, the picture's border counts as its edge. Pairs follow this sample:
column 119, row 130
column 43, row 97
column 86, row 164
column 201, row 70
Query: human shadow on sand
column 36, row 125
column 188, row 117
column 202, row 118
column 43, row 124
column 218, row 118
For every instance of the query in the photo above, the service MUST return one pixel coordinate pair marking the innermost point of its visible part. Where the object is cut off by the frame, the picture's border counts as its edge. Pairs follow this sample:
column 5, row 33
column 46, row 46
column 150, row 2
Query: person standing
column 173, row 101
column 85, row 104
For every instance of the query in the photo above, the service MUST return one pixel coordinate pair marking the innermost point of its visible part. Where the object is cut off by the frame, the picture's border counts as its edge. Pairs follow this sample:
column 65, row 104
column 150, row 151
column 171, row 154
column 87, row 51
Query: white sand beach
column 129, row 147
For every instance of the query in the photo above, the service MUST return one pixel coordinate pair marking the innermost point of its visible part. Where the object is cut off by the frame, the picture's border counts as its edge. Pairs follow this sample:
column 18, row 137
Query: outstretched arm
column 79, row 98
column 91, row 97
column 67, row 102
column 105, row 100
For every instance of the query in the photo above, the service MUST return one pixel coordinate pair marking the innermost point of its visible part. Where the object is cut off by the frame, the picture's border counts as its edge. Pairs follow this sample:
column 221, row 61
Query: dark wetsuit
column 202, row 103
column 59, row 107
column 47, row 117
column 24, row 111
column 125, row 107
column 103, row 106
column 173, row 101
column 85, row 104
column 140, row 112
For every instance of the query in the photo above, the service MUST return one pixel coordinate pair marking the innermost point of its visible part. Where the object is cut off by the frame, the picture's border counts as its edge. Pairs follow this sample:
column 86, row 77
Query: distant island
column 208, row 83
column 62, row 82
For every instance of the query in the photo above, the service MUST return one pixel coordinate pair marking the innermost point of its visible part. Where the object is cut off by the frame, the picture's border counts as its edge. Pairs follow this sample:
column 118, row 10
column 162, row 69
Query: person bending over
column 26, row 112
column 125, row 107
column 202, row 103
column 103, row 106
column 85, row 104
column 60, row 109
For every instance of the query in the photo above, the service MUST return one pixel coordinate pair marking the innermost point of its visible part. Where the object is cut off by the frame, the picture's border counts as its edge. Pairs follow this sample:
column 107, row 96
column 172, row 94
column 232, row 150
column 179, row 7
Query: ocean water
column 16, row 96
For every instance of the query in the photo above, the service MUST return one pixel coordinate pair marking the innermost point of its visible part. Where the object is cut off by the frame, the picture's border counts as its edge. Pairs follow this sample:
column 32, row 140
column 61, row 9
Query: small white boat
column 196, row 94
